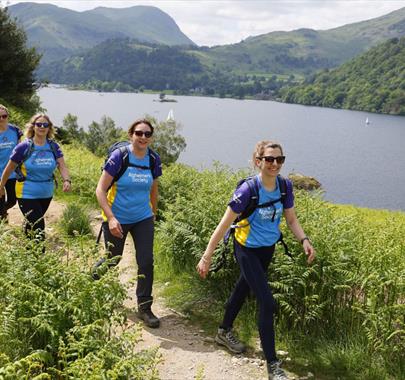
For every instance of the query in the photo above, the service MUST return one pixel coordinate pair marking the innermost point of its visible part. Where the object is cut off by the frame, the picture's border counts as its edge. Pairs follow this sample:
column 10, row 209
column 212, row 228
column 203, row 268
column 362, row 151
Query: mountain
column 303, row 51
column 60, row 32
column 373, row 81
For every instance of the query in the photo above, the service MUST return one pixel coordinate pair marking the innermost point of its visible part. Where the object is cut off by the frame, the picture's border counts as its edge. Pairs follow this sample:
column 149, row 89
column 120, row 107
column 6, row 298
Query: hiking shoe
column 227, row 339
column 275, row 371
column 150, row 319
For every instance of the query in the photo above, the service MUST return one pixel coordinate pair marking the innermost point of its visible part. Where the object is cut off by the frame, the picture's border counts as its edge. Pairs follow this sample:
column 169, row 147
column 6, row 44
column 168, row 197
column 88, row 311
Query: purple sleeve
column 157, row 170
column 58, row 150
column 17, row 154
column 240, row 199
column 289, row 199
column 113, row 164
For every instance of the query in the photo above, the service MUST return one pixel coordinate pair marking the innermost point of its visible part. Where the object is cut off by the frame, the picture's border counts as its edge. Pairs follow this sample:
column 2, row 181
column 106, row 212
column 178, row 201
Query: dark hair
column 131, row 129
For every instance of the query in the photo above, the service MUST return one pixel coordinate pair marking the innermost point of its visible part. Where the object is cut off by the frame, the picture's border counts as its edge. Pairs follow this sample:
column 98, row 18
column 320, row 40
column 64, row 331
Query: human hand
column 115, row 228
column 203, row 266
column 309, row 251
column 67, row 185
column 2, row 192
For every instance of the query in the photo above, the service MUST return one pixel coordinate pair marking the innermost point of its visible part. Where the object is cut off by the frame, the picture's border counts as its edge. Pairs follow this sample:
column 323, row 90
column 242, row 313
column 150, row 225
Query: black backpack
column 28, row 153
column 253, row 204
column 124, row 153
column 123, row 148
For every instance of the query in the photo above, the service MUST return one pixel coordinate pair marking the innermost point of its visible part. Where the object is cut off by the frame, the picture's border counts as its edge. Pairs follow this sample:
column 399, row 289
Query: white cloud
column 219, row 22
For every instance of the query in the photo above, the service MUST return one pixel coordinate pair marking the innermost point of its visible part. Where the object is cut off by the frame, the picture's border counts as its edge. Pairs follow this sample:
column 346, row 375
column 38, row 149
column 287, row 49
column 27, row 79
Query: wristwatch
column 304, row 238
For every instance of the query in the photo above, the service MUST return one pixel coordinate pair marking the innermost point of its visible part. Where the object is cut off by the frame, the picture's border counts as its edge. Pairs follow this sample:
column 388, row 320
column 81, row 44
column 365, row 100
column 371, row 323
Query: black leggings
column 142, row 234
column 34, row 211
column 9, row 200
column 254, row 263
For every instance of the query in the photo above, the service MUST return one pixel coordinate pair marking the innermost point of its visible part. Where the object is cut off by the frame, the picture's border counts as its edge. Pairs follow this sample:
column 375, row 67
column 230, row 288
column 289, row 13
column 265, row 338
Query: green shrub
column 75, row 220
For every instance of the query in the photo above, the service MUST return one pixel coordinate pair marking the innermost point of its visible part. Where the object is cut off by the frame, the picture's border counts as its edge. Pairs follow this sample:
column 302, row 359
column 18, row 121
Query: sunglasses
column 271, row 159
column 147, row 134
column 42, row 125
column 4, row 117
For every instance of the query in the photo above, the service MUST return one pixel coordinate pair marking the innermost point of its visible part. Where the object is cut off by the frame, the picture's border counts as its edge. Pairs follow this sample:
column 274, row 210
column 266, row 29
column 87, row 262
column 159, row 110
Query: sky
column 219, row 22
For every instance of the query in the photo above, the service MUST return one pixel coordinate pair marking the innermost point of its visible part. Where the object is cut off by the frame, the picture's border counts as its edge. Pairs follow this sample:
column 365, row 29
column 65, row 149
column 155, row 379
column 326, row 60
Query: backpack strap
column 282, row 185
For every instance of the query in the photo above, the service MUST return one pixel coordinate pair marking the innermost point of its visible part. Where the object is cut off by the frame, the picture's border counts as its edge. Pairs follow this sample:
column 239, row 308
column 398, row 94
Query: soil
column 187, row 352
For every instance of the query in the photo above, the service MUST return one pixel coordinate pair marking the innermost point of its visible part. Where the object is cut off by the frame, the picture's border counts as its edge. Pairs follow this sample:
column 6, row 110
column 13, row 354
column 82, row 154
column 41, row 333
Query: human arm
column 103, row 185
column 225, row 223
column 295, row 227
column 154, row 196
column 10, row 167
column 64, row 172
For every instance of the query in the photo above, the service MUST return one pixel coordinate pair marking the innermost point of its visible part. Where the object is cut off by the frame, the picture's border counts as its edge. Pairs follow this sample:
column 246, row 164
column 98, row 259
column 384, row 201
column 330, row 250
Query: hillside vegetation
column 374, row 81
column 60, row 32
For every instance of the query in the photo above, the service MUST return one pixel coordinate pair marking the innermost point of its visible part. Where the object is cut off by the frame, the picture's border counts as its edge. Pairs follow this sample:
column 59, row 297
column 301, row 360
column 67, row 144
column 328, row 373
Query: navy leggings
column 34, row 211
column 253, row 263
column 9, row 200
column 142, row 234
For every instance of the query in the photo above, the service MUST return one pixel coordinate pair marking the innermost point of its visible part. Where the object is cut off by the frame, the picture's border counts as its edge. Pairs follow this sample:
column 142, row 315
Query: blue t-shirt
column 260, row 229
column 129, row 197
column 38, row 169
column 8, row 140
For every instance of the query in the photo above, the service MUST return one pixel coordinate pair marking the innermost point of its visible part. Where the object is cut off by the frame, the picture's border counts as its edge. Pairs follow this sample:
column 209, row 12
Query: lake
column 357, row 163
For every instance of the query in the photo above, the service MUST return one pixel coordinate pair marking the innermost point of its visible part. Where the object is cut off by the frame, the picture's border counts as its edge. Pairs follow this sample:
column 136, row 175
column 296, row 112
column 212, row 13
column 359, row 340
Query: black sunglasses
column 42, row 125
column 147, row 134
column 271, row 159
column 4, row 117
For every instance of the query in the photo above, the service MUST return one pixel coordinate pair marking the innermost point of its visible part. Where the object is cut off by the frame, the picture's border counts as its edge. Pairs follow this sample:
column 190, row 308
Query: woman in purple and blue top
column 9, row 138
column 37, row 157
column 254, row 243
column 129, row 204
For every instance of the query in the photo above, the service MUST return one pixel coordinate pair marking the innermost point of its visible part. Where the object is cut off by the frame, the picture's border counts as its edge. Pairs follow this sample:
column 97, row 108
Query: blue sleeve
column 240, row 199
column 17, row 154
column 114, row 163
column 157, row 170
column 289, row 199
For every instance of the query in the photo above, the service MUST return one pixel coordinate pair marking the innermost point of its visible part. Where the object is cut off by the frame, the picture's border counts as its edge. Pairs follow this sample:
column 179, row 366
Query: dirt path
column 187, row 351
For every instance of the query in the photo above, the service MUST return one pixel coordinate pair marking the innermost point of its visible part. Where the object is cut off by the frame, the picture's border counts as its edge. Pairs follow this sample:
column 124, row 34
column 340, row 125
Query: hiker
column 34, row 161
column 129, row 204
column 254, row 242
column 10, row 136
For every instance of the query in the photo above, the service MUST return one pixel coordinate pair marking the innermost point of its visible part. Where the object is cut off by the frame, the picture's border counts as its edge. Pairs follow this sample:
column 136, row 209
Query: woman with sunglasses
column 36, row 158
column 254, row 243
column 129, row 205
column 10, row 136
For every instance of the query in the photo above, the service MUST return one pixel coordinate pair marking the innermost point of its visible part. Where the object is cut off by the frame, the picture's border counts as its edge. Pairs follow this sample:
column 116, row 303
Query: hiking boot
column 227, row 339
column 275, row 371
column 150, row 319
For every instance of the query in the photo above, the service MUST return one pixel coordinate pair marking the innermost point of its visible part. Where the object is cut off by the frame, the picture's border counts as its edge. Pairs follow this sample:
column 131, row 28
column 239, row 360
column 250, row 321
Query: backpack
column 28, row 153
column 253, row 204
column 123, row 148
column 124, row 153
column 17, row 131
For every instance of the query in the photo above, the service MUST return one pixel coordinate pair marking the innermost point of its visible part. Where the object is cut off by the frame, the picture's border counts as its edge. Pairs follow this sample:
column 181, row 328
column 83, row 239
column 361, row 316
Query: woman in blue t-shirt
column 129, row 204
column 254, row 242
column 9, row 138
column 35, row 160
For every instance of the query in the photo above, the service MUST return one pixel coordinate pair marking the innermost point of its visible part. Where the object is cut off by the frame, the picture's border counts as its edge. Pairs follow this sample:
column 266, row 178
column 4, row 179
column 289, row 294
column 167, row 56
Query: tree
column 167, row 142
column 18, row 62
column 73, row 131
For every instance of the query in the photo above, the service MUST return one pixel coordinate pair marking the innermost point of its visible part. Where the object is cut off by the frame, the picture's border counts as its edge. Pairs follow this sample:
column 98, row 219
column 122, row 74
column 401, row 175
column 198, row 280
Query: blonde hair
column 30, row 131
column 261, row 146
column 4, row 108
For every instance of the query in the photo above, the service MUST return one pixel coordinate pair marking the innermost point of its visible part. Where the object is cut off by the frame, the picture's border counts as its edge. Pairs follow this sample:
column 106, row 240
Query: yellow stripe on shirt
column 112, row 193
column 19, row 186
column 242, row 233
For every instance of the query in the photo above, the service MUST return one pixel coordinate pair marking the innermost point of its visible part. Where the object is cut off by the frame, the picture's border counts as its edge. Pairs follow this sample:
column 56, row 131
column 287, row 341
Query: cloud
column 218, row 22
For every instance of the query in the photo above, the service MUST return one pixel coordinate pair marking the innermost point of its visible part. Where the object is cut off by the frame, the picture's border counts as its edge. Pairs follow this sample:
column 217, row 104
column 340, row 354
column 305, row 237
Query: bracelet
column 204, row 259
column 305, row 238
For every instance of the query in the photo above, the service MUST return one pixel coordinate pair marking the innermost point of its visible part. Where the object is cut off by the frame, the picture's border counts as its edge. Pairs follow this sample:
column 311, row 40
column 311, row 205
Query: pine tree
column 17, row 62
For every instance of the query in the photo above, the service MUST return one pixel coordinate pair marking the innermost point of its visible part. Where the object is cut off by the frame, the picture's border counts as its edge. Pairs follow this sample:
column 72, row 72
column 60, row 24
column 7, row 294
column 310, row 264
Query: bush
column 75, row 221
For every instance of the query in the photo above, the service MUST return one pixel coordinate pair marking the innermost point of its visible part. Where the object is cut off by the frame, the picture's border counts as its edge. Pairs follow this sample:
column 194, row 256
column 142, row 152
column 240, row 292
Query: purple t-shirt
column 261, row 228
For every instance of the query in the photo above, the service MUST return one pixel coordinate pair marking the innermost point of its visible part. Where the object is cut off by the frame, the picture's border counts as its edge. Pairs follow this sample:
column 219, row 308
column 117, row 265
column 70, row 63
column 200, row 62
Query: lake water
column 356, row 163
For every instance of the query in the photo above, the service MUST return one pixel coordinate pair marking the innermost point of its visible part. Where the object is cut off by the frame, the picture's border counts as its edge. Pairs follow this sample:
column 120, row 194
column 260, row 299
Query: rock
column 282, row 353
column 208, row 339
column 304, row 182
